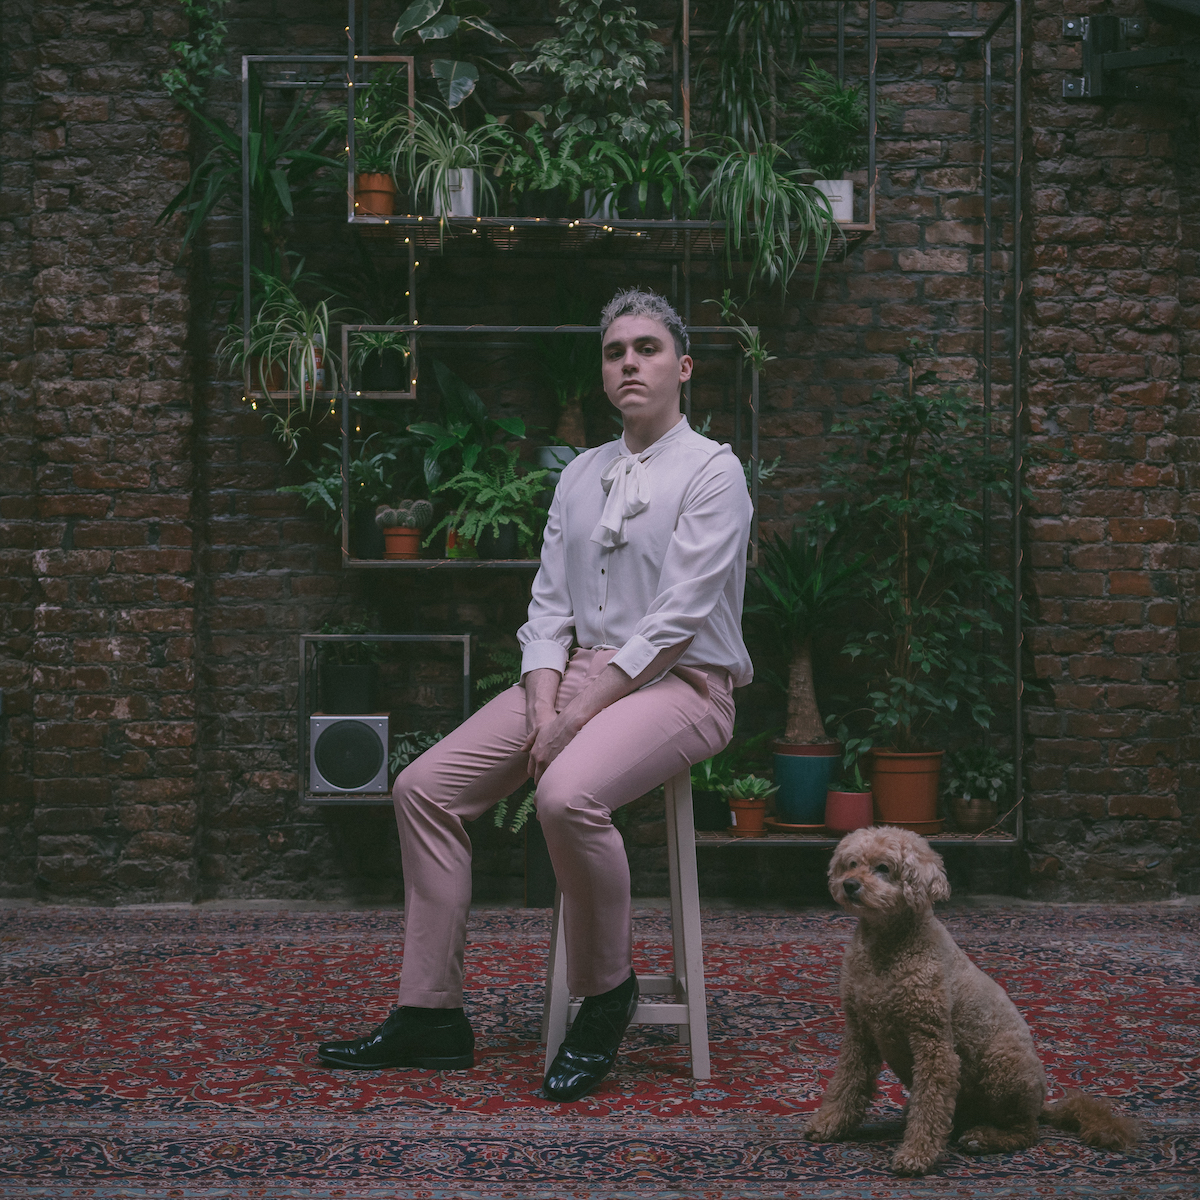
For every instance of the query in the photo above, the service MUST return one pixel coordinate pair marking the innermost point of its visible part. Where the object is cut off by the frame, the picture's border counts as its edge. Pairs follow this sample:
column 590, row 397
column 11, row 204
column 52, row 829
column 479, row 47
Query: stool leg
column 558, row 998
column 683, row 832
column 677, row 932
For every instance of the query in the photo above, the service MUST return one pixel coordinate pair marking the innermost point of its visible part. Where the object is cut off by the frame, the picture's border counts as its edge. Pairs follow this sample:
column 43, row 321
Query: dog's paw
column 823, row 1131
column 910, row 1162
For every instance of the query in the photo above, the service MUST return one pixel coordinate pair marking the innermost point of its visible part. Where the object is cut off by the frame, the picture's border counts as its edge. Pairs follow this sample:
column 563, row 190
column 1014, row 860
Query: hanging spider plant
column 288, row 343
column 770, row 208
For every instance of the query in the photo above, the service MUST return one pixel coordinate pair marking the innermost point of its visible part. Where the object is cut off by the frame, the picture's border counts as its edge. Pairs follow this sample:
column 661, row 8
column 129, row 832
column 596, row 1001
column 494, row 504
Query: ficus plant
column 913, row 477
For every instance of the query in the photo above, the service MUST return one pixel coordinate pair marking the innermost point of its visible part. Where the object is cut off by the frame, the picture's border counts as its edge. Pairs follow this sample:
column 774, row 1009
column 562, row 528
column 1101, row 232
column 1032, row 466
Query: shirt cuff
column 538, row 655
column 635, row 656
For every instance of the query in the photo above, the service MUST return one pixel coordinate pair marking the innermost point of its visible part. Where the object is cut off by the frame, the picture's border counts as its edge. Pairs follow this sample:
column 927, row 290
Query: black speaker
column 348, row 754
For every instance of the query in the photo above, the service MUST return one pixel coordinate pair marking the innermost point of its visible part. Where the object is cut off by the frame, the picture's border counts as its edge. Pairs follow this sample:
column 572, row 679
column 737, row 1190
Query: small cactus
column 408, row 514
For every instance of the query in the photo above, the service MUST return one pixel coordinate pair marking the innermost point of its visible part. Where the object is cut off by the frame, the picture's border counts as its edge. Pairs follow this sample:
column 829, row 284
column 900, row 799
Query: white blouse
column 642, row 552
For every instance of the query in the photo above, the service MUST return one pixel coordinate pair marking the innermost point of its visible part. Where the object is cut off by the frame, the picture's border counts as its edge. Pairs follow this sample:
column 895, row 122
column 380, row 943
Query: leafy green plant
column 570, row 364
column 364, row 344
column 284, row 168
column 496, row 494
column 466, row 433
column 600, row 59
column 410, row 745
column 754, row 352
column 748, row 787
column 830, row 123
column 725, row 766
column 199, row 54
column 977, row 773
column 372, row 479
column 288, row 343
column 451, row 21
column 800, row 591
column 745, row 75
column 435, row 144
column 914, row 478
column 658, row 163
column 348, row 654
column 532, row 164
column 768, row 207
column 525, row 809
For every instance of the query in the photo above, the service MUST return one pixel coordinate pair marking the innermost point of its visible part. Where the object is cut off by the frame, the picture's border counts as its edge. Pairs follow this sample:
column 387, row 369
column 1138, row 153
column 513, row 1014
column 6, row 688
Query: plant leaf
column 414, row 16
column 455, row 80
column 488, row 28
column 443, row 27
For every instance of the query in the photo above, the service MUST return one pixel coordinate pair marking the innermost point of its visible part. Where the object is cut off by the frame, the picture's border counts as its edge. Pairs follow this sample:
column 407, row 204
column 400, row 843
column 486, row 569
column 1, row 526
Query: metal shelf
column 568, row 235
column 822, row 841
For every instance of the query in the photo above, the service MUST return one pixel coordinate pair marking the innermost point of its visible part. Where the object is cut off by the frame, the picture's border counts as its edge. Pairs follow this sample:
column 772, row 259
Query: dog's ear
column 922, row 874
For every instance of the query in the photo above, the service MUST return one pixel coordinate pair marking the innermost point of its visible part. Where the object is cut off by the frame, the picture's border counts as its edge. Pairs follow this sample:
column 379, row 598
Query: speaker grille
column 348, row 754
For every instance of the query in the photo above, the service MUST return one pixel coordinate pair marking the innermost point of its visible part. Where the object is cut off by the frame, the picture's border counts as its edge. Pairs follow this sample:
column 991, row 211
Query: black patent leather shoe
column 408, row 1038
column 590, row 1048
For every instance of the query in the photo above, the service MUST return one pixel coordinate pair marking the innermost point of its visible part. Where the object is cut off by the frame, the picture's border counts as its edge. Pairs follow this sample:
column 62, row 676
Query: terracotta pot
column 905, row 786
column 847, row 811
column 747, row 817
column 459, row 547
column 401, row 541
column 374, row 195
column 274, row 375
column 974, row 816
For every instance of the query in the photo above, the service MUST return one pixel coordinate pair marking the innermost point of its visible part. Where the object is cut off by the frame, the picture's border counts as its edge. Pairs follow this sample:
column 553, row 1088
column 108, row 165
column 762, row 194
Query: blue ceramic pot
column 803, row 780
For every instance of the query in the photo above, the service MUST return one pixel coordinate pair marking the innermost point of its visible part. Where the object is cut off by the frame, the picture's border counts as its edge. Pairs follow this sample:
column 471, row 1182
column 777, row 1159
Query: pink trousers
column 622, row 753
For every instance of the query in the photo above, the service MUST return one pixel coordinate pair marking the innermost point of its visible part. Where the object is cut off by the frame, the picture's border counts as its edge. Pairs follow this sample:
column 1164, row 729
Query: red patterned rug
column 168, row 1053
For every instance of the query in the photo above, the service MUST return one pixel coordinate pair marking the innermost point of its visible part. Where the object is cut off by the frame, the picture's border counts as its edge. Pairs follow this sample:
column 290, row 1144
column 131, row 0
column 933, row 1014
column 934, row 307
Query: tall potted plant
column 830, row 123
column 800, row 591
column 914, row 477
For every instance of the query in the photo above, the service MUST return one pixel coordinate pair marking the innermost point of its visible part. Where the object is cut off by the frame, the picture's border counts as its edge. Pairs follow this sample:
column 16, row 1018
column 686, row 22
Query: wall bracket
column 1106, row 55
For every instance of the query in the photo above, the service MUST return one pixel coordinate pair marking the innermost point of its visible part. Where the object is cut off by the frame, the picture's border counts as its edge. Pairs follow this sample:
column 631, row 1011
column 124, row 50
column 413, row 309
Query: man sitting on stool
column 629, row 657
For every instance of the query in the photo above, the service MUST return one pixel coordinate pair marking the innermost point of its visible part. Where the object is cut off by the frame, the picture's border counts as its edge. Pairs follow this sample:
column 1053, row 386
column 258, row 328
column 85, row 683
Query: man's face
column 642, row 374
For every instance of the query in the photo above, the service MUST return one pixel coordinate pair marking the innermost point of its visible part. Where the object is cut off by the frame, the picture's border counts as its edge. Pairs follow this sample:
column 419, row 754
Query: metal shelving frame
column 994, row 318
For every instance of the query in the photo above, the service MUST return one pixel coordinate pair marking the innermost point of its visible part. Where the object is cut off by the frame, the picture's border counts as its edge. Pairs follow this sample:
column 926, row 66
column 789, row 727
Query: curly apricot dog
column 912, row 998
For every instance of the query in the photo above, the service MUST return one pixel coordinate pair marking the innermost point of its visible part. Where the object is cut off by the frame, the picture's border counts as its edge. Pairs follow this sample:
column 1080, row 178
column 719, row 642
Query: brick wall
column 154, row 580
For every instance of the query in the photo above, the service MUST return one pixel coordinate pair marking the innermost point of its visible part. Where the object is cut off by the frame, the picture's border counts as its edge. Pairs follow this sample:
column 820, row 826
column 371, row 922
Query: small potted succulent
column 403, row 525
column 975, row 782
column 747, row 799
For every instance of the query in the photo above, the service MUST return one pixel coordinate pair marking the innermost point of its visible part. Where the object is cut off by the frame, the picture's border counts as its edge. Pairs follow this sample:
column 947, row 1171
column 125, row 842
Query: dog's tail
column 1094, row 1120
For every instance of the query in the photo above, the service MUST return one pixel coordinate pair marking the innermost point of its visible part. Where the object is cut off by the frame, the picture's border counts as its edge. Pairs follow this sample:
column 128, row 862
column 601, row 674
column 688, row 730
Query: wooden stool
column 686, row 1008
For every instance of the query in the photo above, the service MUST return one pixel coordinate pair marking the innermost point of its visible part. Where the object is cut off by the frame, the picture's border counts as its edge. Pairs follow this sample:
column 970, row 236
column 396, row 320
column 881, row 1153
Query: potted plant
column 402, row 525
column 445, row 160
column 913, row 479
column 661, row 173
column 848, row 803
column 977, row 781
column 800, row 591
column 710, row 810
column 570, row 363
column 830, row 131
column 542, row 179
column 346, row 670
column 378, row 359
column 499, row 508
column 769, row 207
column 287, row 352
column 600, row 59
column 747, row 798
column 466, row 432
column 374, row 469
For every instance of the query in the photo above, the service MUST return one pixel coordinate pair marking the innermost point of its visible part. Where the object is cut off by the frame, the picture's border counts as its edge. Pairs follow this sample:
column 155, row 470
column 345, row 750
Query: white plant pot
column 841, row 196
column 604, row 209
column 462, row 194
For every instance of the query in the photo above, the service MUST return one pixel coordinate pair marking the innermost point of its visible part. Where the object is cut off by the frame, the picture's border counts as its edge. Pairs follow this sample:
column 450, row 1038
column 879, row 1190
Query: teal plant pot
column 803, row 774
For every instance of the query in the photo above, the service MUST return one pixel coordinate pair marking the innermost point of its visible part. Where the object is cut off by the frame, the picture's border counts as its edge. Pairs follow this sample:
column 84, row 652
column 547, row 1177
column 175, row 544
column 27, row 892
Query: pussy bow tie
column 627, row 483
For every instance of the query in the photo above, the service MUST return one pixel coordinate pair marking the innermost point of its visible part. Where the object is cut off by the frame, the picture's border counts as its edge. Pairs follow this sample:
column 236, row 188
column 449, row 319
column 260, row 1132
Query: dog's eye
column 882, row 869
column 852, row 864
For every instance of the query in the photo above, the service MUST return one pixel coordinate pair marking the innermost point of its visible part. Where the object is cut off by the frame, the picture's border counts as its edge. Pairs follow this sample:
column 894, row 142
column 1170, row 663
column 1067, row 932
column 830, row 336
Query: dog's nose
column 850, row 886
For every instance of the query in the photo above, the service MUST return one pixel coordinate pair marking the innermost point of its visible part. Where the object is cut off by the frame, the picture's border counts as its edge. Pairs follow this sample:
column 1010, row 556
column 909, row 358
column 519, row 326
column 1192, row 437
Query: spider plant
column 770, row 208
column 287, row 337
column 436, row 144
